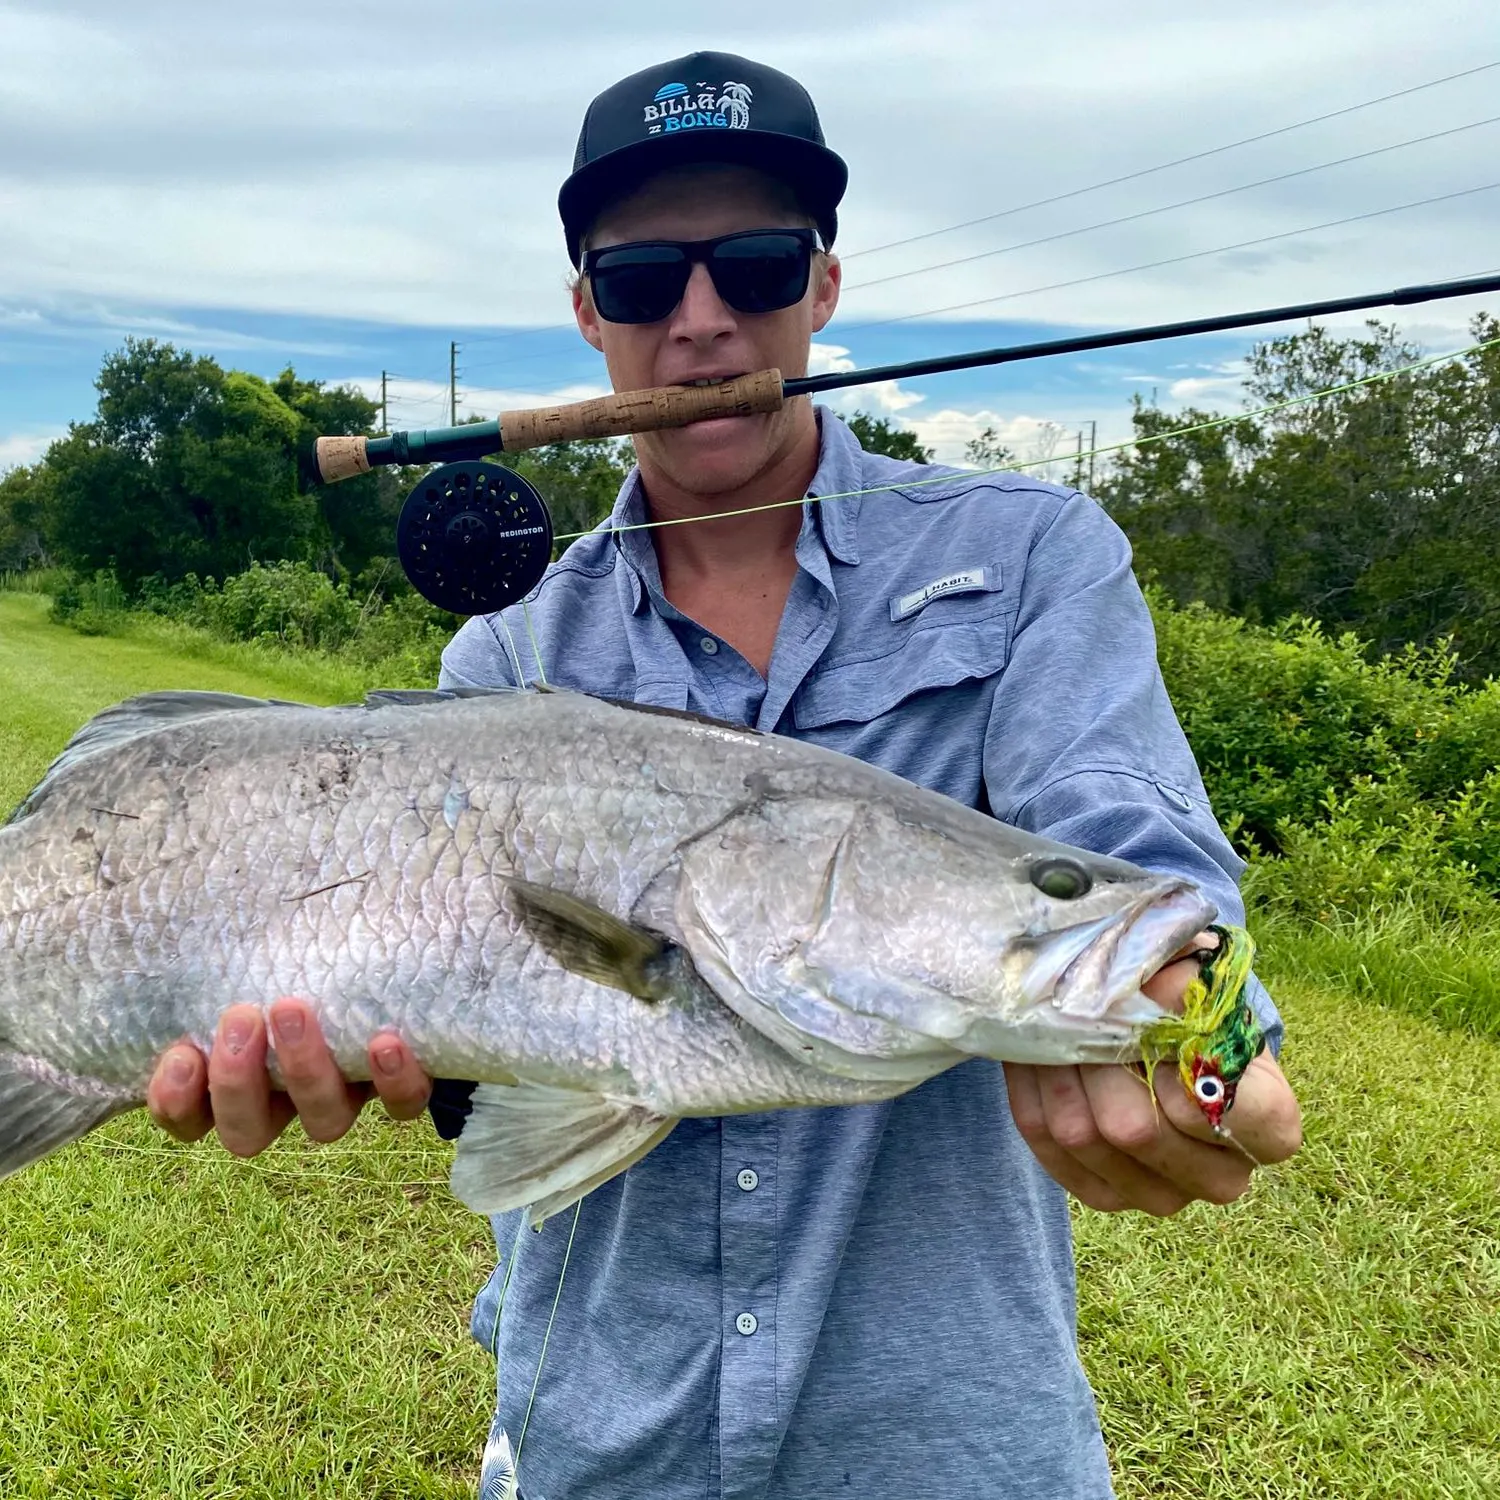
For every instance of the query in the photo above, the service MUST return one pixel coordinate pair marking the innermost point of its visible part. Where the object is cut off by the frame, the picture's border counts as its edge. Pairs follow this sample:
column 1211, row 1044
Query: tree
column 358, row 515
column 24, row 500
column 189, row 468
column 987, row 451
column 1374, row 507
column 880, row 435
column 185, row 468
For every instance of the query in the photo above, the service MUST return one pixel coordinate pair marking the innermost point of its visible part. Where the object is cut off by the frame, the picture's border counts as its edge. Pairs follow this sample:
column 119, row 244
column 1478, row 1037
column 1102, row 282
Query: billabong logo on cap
column 676, row 107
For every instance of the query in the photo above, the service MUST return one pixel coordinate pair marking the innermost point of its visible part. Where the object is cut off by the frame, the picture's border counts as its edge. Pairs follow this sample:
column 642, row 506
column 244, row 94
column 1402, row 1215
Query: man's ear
column 588, row 319
column 826, row 291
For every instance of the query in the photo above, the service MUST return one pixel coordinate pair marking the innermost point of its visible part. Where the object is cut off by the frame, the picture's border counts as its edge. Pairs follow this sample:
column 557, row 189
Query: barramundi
column 608, row 917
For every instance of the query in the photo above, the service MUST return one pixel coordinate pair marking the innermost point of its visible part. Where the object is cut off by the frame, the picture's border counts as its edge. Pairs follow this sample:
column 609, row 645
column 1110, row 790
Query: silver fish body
column 612, row 917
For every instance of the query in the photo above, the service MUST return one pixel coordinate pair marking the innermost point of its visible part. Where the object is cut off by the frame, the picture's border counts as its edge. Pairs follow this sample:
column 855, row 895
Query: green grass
column 1336, row 1332
column 1444, row 972
column 52, row 678
column 180, row 1324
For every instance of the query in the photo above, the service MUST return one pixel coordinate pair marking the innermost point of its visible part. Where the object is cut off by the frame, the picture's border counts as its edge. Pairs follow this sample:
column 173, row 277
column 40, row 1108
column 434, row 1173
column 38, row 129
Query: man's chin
column 717, row 456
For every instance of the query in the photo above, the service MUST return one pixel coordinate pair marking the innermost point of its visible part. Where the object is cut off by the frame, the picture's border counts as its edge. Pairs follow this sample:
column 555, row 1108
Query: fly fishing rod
column 475, row 537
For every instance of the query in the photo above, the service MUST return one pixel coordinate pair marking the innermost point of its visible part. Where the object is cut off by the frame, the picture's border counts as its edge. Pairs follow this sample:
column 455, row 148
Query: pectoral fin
column 542, row 1148
column 42, row 1109
column 589, row 941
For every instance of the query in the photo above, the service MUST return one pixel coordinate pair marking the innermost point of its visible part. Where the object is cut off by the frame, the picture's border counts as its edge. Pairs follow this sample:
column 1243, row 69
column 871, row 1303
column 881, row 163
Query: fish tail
column 43, row 1109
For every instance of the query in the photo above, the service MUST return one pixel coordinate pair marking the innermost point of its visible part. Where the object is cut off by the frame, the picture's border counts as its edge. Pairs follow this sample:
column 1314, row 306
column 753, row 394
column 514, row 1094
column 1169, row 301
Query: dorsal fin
column 129, row 721
column 415, row 697
column 683, row 713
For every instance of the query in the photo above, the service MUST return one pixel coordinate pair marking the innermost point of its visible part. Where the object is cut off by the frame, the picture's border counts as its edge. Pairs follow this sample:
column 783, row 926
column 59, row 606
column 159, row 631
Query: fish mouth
column 1091, row 971
column 1081, row 992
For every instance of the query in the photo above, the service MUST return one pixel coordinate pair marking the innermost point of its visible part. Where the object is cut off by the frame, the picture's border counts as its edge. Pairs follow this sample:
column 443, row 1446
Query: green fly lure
column 1215, row 1038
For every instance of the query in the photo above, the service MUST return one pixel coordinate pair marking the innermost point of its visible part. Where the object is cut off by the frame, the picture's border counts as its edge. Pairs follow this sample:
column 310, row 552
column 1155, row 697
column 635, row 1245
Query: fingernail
column 290, row 1026
column 180, row 1069
column 388, row 1060
column 236, row 1036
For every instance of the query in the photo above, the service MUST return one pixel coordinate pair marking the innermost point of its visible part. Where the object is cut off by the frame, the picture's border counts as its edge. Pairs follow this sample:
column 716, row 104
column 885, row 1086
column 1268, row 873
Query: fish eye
column 1061, row 878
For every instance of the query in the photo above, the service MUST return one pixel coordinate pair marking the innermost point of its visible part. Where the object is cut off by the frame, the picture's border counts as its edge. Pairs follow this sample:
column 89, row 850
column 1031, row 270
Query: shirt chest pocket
column 954, row 640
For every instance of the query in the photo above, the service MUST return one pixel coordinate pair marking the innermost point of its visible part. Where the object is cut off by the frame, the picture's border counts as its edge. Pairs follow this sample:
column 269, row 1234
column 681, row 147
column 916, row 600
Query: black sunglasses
column 754, row 271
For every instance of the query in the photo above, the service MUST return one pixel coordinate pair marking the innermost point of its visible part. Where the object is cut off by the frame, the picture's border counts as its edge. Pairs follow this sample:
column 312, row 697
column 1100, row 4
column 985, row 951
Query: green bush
column 1462, row 747
column 92, row 606
column 289, row 606
column 1361, row 790
column 1282, row 718
column 289, row 603
column 33, row 580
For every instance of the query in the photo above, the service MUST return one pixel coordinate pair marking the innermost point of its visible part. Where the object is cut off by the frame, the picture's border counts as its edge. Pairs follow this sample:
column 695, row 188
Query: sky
column 351, row 188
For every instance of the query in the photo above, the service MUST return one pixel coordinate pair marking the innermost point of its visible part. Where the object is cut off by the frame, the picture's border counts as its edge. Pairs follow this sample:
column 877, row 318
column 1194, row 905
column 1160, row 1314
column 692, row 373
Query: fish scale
column 607, row 917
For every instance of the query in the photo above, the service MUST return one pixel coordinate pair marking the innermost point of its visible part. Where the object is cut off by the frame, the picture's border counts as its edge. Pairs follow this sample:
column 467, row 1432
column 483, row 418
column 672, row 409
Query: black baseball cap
column 707, row 106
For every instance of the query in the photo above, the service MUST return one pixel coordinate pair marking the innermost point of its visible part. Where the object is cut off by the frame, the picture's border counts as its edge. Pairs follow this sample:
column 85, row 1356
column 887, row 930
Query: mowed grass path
column 180, row 1324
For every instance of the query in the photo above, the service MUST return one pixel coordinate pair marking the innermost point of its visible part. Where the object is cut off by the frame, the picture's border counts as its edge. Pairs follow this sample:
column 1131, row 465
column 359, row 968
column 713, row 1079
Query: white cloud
column 1208, row 389
column 17, row 449
column 181, row 155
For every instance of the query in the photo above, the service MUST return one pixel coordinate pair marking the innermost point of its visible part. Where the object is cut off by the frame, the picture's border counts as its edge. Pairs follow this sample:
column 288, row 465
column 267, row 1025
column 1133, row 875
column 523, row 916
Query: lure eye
column 1209, row 1088
column 1061, row 878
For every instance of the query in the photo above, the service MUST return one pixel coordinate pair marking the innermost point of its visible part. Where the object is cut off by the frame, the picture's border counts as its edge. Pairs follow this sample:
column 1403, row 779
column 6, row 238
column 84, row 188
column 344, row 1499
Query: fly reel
column 474, row 537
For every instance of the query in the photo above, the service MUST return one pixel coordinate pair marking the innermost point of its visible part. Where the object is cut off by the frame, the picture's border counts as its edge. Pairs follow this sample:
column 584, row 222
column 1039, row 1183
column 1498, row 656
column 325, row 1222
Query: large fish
column 609, row 917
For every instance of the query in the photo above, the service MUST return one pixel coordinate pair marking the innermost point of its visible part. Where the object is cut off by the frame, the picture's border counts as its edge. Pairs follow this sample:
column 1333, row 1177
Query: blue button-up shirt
column 877, row 1299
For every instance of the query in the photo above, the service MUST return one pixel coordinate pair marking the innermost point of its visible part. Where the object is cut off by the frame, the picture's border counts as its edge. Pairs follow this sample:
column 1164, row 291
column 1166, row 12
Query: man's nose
column 702, row 313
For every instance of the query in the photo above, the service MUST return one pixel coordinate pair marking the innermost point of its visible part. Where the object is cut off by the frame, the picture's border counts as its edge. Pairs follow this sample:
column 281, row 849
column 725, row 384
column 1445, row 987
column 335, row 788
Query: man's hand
column 230, row 1090
column 1094, row 1130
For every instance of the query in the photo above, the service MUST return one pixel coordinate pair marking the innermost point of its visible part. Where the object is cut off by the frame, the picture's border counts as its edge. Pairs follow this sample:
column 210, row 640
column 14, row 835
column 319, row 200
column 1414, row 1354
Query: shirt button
column 710, row 646
column 748, row 1180
column 746, row 1323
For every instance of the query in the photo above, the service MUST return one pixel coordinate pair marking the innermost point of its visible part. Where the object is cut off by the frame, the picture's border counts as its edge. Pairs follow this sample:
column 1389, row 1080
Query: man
column 876, row 1300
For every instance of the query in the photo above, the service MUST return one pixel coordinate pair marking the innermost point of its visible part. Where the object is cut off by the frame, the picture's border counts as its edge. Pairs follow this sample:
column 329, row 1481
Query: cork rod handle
column 605, row 416
column 640, row 411
column 341, row 458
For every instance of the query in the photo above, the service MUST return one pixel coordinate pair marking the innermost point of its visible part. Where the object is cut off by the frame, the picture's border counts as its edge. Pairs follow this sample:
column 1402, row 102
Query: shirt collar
column 839, row 472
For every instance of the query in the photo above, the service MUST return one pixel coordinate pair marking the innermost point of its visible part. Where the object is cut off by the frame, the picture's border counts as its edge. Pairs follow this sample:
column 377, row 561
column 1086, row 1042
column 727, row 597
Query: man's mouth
column 704, row 380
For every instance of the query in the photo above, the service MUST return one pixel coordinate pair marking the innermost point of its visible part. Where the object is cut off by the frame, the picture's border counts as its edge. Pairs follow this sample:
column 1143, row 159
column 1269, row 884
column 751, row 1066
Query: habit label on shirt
column 966, row 582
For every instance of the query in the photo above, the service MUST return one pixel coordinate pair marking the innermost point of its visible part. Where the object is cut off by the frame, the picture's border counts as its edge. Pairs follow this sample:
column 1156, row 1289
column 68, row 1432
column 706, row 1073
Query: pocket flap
column 928, row 659
column 661, row 692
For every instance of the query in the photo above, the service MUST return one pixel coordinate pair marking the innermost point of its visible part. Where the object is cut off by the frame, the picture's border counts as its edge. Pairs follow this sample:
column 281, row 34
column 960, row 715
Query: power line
column 1145, row 266
column 1147, row 213
column 1180, row 161
column 518, row 333
column 1174, row 260
column 1074, row 192
column 547, row 328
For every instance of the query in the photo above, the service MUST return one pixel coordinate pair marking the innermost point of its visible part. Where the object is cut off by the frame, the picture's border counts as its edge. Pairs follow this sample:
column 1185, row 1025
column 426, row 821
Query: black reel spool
column 474, row 537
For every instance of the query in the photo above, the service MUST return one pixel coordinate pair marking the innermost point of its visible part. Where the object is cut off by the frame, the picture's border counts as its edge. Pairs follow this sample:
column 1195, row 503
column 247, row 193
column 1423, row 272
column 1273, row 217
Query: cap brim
column 817, row 175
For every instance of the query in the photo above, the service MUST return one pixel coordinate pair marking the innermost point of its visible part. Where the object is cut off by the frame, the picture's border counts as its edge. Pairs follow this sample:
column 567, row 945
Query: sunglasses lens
column 638, row 283
column 759, row 273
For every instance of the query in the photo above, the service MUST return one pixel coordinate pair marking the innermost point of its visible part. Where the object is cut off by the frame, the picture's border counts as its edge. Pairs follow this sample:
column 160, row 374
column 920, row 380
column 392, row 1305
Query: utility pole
column 453, row 385
column 1078, row 462
column 1093, row 449
column 384, row 425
